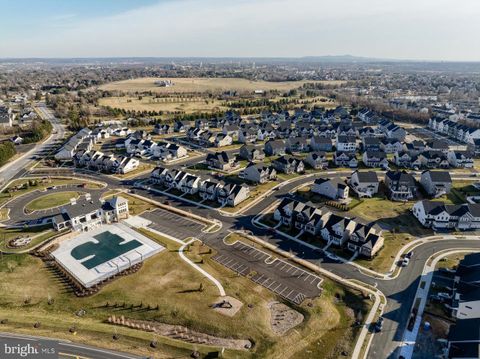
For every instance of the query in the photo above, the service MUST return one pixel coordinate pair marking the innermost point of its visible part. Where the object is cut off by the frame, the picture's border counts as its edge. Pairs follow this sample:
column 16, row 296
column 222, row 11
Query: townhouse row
column 339, row 231
column 227, row 194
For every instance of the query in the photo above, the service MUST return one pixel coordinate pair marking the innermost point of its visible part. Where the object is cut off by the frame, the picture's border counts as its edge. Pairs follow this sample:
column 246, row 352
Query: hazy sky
column 403, row 29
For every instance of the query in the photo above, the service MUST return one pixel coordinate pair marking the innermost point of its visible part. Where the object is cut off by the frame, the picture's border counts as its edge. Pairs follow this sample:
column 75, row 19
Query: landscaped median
column 23, row 186
column 51, row 200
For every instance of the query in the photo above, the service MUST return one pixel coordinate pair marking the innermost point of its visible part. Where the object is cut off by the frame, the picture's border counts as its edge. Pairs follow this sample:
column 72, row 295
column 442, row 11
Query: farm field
column 189, row 85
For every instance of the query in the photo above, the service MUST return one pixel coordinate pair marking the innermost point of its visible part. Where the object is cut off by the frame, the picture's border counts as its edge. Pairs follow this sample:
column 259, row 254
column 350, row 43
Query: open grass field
column 167, row 281
column 149, row 103
column 196, row 85
column 52, row 200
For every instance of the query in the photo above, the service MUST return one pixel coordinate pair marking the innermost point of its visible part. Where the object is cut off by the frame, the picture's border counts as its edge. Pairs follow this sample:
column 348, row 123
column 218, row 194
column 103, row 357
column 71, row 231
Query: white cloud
column 426, row 29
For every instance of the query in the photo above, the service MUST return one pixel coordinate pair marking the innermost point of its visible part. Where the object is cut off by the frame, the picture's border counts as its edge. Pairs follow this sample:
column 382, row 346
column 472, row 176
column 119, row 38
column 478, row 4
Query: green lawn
column 394, row 216
column 41, row 234
column 51, row 200
column 383, row 261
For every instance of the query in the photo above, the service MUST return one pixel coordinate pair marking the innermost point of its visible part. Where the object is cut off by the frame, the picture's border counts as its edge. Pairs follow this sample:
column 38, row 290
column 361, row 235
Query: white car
column 444, row 295
column 405, row 262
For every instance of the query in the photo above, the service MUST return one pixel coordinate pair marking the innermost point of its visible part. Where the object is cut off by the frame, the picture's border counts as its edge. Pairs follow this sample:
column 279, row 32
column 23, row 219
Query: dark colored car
column 379, row 324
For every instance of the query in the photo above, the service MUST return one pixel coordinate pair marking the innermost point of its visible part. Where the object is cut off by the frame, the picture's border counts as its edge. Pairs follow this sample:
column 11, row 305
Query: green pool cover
column 107, row 248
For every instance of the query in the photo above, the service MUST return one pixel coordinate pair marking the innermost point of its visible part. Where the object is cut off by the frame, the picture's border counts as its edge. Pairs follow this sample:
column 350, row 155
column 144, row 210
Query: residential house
column 288, row 165
column 231, row 130
column 364, row 183
column 190, row 184
column 222, row 140
column 232, row 194
column 317, row 160
column 391, row 145
column 464, row 339
column 333, row 188
column 438, row 215
column 375, row 159
column 403, row 159
column 258, row 173
column 208, row 190
column 460, row 159
column 365, row 239
column 221, row 160
column 6, row 116
column 371, row 144
column 275, row 148
column 433, row 159
column 248, row 135
column 163, row 129
column 297, row 144
column 158, row 175
column 401, row 185
column 318, row 143
column 436, row 183
column 345, row 159
column 181, row 126
column 337, row 230
column 346, row 144
column 251, row 153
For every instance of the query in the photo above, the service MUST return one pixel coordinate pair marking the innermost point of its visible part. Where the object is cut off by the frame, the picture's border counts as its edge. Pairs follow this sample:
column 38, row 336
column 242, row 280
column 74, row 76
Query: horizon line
column 352, row 58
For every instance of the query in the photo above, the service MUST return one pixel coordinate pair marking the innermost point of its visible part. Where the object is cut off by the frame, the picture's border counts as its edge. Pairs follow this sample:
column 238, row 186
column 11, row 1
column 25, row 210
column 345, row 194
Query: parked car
column 444, row 295
column 379, row 324
column 405, row 262
column 409, row 255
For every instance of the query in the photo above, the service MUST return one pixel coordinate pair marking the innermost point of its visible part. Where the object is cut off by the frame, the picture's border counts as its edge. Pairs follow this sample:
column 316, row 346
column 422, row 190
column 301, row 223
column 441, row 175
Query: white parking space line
column 227, row 263
column 271, row 284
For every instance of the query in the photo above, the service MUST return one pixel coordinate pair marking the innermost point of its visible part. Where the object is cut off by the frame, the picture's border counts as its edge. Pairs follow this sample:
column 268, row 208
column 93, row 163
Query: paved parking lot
column 173, row 224
column 286, row 280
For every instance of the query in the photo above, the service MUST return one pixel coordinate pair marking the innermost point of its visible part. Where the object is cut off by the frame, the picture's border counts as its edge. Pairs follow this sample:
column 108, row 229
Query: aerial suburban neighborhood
column 218, row 204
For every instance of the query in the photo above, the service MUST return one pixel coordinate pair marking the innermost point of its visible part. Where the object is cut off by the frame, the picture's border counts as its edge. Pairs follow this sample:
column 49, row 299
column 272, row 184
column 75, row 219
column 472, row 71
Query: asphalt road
column 15, row 168
column 16, row 207
column 57, row 348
